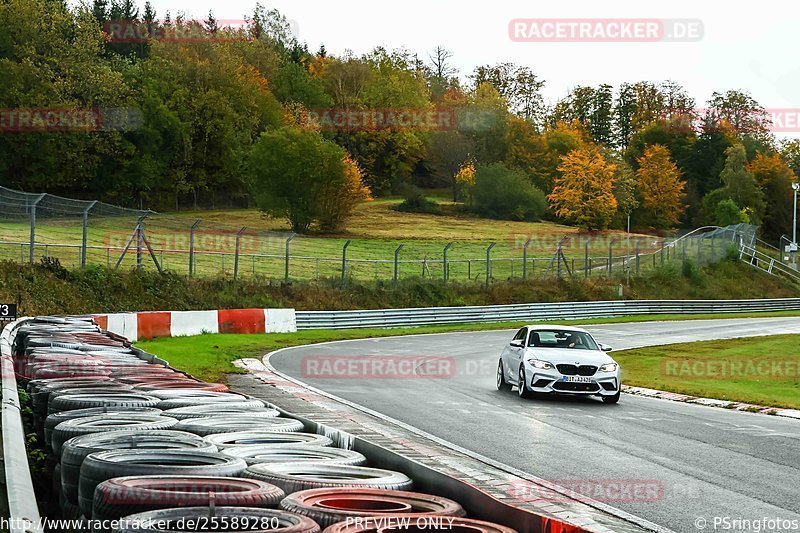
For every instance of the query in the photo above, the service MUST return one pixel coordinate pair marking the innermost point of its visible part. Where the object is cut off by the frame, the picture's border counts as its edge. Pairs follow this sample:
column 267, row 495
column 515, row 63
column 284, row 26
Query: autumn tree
column 775, row 178
column 584, row 192
column 660, row 184
column 740, row 185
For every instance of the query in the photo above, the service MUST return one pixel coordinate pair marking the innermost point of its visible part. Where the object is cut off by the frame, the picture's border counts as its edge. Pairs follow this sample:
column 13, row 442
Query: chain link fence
column 80, row 233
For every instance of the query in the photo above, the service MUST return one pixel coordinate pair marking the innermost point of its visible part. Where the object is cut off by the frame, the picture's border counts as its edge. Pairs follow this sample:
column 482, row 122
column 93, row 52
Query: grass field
column 210, row 357
column 759, row 370
column 375, row 232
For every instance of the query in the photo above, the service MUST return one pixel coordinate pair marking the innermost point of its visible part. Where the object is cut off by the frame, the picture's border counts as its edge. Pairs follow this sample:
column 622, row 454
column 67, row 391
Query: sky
column 749, row 46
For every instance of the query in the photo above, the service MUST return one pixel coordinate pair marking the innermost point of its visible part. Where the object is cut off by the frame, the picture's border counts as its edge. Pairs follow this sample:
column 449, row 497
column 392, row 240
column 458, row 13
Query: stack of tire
column 129, row 438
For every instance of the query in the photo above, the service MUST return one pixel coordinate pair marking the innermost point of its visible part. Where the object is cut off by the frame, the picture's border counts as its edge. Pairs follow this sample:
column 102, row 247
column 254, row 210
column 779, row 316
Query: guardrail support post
column 236, row 256
column 85, row 237
column 33, row 226
column 489, row 263
column 525, row 260
column 396, row 265
column 191, row 247
column 444, row 260
column 286, row 264
column 344, row 261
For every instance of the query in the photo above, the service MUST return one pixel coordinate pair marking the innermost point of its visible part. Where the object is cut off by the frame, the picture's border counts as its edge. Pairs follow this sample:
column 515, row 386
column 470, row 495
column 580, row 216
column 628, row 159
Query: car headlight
column 610, row 367
column 544, row 365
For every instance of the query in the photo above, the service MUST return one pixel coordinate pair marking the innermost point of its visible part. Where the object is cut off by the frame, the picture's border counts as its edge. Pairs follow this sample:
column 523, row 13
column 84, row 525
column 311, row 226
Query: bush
column 728, row 213
column 500, row 192
column 297, row 174
column 416, row 202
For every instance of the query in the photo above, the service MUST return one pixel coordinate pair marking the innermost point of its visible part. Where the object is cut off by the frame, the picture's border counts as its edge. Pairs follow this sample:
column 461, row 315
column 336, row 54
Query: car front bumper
column 552, row 381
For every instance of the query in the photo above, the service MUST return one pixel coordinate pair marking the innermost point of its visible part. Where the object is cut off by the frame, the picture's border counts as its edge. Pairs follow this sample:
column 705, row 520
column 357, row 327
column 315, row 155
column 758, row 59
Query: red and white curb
column 149, row 325
column 712, row 402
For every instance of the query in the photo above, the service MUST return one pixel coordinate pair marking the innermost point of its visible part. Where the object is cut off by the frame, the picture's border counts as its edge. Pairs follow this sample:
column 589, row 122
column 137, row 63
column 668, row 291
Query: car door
column 514, row 355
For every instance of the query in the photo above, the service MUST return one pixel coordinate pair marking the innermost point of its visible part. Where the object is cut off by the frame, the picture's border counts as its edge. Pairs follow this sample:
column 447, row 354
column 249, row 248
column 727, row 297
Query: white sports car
column 558, row 360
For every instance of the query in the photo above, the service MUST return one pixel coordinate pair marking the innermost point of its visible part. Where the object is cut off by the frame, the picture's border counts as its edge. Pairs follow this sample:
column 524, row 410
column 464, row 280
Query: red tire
column 431, row 523
column 331, row 505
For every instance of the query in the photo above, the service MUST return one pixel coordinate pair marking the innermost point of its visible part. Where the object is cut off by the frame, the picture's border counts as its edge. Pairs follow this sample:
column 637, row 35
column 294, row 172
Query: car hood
column 570, row 356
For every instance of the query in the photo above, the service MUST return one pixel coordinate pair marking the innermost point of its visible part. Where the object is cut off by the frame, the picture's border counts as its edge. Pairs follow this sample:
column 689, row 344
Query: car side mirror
column 605, row 347
column 517, row 344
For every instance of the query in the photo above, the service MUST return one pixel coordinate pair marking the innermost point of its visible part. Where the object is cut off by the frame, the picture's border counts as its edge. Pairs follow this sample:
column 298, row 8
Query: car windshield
column 556, row 338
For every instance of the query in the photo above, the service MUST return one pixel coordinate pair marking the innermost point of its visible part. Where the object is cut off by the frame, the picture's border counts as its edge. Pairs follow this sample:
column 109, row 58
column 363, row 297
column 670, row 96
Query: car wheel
column 611, row 399
column 522, row 384
column 501, row 379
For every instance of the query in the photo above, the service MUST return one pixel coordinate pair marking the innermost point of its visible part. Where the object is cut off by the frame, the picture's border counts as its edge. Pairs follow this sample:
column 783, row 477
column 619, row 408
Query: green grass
column 671, row 368
column 210, row 357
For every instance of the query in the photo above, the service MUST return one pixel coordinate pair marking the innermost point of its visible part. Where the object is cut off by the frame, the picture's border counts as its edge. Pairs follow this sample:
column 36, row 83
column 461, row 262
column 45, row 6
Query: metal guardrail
column 395, row 318
column 23, row 512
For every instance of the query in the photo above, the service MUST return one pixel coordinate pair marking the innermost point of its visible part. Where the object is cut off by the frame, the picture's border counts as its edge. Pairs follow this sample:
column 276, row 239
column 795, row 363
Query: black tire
column 75, row 450
column 70, row 402
column 221, row 409
column 123, row 496
column 501, row 384
column 173, row 394
column 294, row 477
column 108, row 422
column 611, row 399
column 100, row 466
column 267, row 438
column 55, row 419
column 227, row 424
column 217, row 399
column 523, row 384
column 275, row 520
column 331, row 505
column 296, row 454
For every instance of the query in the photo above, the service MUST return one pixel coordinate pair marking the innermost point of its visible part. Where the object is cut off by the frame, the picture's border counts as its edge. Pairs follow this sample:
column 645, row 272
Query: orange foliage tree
column 584, row 191
column 659, row 181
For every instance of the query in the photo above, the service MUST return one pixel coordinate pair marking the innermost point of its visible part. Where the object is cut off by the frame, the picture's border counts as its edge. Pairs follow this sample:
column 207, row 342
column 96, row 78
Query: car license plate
column 576, row 379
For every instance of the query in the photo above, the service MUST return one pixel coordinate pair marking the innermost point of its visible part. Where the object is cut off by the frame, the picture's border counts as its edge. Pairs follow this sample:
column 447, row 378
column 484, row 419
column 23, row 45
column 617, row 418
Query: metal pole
column 236, row 257
column 138, row 247
column 637, row 257
column 85, row 232
column 396, row 265
column 794, row 214
column 33, row 226
column 610, row 256
column 489, row 263
column 191, row 247
column 344, row 260
column 286, row 270
column 444, row 260
column 525, row 260
column 586, row 260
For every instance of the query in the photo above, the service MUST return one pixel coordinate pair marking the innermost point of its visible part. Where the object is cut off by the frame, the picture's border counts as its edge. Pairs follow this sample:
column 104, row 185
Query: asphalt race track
column 709, row 461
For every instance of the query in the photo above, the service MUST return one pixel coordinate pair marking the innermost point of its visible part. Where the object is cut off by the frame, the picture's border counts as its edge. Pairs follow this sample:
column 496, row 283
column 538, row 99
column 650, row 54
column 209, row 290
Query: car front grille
column 575, row 387
column 573, row 370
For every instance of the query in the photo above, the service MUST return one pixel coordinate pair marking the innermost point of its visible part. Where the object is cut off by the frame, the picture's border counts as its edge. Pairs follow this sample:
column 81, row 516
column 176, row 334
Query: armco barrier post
column 444, row 260
column 286, row 264
column 191, row 247
column 236, row 253
column 396, row 265
column 344, row 261
column 489, row 263
column 85, row 236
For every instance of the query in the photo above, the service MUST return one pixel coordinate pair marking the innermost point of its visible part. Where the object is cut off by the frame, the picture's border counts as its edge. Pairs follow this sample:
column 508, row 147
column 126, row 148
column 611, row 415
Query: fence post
column 663, row 244
column 444, row 260
column 85, row 238
column 683, row 252
column 489, row 263
column 236, row 256
column 525, row 259
column 713, row 249
column 586, row 259
column 286, row 270
column 396, row 265
column 344, row 260
column 33, row 226
column 191, row 247
column 610, row 256
column 699, row 249
column 637, row 257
